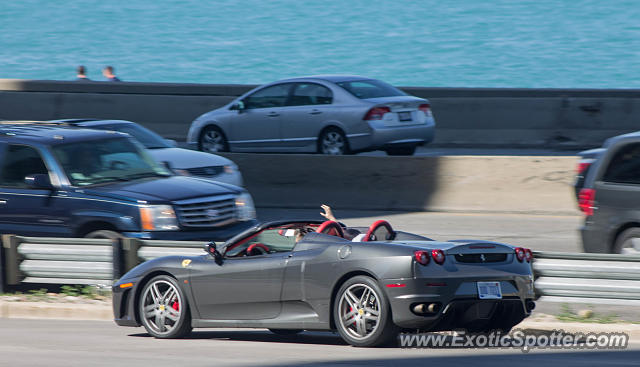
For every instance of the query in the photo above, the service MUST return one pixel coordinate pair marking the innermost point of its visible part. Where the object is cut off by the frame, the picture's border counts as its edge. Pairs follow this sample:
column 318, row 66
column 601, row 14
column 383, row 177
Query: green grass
column 568, row 315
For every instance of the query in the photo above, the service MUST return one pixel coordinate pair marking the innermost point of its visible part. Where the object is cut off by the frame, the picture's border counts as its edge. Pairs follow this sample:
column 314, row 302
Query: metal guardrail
column 80, row 260
column 563, row 277
column 587, row 278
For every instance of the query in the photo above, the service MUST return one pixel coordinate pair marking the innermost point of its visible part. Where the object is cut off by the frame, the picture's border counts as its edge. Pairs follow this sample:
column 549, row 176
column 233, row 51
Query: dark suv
column 88, row 183
column 608, row 187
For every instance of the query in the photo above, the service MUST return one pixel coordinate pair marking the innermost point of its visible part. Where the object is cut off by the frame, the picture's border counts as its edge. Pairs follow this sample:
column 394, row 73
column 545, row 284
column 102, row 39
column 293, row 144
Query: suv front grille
column 206, row 171
column 480, row 258
column 214, row 211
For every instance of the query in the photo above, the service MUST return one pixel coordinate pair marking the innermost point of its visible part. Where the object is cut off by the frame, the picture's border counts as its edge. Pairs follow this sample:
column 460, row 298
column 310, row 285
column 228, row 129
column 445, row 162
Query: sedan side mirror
column 238, row 106
column 212, row 250
column 38, row 181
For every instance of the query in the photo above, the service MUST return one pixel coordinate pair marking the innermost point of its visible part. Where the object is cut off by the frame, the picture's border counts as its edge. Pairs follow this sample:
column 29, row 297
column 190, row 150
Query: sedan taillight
column 426, row 108
column 376, row 113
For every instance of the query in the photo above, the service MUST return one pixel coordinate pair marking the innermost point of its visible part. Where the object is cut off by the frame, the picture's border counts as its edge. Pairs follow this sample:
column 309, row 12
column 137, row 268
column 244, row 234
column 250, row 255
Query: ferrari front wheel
column 362, row 313
column 163, row 308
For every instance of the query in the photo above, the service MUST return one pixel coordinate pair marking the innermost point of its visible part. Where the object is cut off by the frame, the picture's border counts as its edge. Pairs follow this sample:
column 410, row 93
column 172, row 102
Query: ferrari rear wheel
column 362, row 313
column 163, row 308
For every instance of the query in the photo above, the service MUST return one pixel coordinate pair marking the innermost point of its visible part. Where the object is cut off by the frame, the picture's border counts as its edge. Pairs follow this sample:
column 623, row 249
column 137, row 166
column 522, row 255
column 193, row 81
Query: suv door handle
column 3, row 201
column 273, row 114
column 315, row 112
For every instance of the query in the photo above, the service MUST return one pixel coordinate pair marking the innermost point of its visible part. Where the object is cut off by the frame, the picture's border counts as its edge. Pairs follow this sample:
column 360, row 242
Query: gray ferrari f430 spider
column 368, row 284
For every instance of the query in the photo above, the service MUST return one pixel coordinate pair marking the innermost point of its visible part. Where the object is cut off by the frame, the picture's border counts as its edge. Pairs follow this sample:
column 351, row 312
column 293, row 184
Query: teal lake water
column 464, row 43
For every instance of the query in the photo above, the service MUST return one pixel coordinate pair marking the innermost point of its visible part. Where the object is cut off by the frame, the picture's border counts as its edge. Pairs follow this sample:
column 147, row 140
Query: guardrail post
column 2, row 267
column 130, row 248
column 12, row 259
column 118, row 259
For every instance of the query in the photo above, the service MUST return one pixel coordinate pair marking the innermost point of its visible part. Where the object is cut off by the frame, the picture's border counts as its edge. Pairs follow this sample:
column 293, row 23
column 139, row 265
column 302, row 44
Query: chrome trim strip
column 68, row 197
column 357, row 135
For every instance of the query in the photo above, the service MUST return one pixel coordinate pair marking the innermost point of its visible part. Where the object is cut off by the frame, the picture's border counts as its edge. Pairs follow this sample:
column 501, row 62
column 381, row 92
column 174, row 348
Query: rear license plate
column 489, row 290
column 404, row 116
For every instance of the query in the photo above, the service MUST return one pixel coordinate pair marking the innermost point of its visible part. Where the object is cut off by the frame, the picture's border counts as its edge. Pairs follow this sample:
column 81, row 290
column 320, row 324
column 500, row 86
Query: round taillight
column 528, row 255
column 422, row 257
column 520, row 253
column 438, row 256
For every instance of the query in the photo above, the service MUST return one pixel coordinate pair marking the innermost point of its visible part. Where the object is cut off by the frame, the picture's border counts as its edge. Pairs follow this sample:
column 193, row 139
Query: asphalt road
column 538, row 232
column 102, row 343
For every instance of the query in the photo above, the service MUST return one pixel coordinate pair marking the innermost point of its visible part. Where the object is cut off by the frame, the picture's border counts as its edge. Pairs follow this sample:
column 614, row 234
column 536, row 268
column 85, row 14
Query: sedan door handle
column 315, row 112
column 273, row 114
column 3, row 201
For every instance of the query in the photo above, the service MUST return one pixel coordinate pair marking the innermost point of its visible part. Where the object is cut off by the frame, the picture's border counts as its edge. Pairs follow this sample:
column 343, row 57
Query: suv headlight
column 158, row 218
column 244, row 207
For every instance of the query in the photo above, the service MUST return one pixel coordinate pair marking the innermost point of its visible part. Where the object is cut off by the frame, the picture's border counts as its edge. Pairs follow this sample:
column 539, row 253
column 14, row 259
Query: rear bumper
column 458, row 303
column 383, row 136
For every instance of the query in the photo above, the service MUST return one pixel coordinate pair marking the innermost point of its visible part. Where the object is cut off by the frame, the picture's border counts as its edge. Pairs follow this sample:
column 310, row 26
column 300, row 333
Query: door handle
column 273, row 114
column 3, row 201
column 315, row 112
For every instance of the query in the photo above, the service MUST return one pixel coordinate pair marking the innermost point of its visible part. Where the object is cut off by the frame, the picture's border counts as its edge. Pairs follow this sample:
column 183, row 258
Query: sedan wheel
column 163, row 309
column 212, row 140
column 362, row 313
column 333, row 142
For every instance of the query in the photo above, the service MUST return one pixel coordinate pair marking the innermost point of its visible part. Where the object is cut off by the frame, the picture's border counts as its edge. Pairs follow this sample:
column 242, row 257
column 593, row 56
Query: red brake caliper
column 176, row 305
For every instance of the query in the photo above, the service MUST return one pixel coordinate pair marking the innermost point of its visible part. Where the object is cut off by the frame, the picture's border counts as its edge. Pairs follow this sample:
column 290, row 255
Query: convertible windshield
column 99, row 161
column 371, row 88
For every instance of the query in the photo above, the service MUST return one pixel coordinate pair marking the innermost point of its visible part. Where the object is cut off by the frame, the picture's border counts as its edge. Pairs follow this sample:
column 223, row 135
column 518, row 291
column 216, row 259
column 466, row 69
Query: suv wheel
column 628, row 242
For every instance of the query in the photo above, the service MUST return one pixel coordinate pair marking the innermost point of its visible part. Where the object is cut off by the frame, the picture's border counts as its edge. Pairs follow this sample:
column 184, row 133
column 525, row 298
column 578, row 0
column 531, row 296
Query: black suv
column 64, row 182
column 608, row 188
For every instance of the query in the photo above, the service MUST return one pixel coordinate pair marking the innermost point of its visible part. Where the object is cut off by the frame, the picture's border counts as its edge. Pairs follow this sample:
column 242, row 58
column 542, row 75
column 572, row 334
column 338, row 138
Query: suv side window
column 310, row 94
column 273, row 96
column 624, row 167
column 20, row 161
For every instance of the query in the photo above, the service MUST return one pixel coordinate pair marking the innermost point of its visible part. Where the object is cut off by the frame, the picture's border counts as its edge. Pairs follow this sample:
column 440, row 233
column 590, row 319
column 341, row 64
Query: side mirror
column 238, row 106
column 171, row 142
column 212, row 250
column 38, row 181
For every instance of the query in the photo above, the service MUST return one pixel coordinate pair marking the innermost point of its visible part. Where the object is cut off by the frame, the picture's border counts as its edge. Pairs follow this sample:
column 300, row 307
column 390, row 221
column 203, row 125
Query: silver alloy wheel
column 212, row 141
column 333, row 143
column 631, row 246
column 359, row 311
column 162, row 306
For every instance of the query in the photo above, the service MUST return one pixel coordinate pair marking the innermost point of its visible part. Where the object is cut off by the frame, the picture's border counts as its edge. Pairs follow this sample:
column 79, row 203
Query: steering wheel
column 261, row 248
column 374, row 227
column 328, row 226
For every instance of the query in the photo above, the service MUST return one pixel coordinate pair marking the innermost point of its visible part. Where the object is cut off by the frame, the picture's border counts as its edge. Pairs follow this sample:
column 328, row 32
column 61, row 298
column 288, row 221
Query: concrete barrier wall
column 476, row 117
column 456, row 183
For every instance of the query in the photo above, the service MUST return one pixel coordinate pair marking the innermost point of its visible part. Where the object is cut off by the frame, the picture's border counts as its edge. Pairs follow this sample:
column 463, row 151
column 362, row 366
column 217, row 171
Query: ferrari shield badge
column 186, row 263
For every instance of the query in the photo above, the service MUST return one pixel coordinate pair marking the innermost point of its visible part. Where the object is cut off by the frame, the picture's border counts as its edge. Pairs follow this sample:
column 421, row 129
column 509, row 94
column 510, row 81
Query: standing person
column 81, row 72
column 108, row 73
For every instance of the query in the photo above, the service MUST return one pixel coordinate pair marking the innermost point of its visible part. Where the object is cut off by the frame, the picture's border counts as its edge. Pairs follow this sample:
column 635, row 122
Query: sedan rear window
column 370, row 88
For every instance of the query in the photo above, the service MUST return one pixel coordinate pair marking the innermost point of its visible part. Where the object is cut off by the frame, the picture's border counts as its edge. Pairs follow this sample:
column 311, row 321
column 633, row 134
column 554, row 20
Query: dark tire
column 163, row 308
column 354, row 312
column 213, row 140
column 332, row 141
column 285, row 332
column 625, row 242
column 401, row 151
column 104, row 234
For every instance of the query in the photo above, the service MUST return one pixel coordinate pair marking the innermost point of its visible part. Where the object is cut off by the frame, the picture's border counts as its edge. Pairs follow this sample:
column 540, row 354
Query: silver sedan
column 324, row 114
